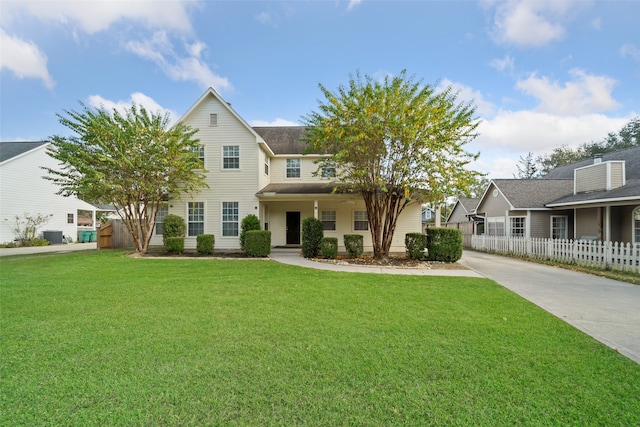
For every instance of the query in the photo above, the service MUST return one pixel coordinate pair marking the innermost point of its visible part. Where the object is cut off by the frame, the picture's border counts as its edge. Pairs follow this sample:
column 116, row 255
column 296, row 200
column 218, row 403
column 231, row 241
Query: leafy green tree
column 133, row 161
column 394, row 142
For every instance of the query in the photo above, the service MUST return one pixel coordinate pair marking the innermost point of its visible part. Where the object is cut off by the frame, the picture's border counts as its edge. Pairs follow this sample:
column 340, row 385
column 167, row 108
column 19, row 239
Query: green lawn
column 103, row 339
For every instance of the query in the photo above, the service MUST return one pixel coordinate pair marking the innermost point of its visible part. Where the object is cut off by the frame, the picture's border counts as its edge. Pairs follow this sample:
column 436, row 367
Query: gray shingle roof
column 299, row 188
column 9, row 150
column 632, row 189
column 631, row 156
column 283, row 139
column 534, row 193
column 469, row 204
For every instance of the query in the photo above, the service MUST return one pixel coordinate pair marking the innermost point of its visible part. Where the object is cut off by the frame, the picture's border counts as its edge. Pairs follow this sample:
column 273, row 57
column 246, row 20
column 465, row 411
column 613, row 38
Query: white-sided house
column 263, row 171
column 23, row 190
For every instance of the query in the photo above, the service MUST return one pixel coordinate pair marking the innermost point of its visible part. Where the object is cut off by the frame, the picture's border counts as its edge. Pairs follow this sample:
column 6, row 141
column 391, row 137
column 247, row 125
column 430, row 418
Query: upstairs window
column 267, row 162
column 70, row 218
column 200, row 154
column 360, row 222
column 231, row 157
column 328, row 172
column 293, row 168
column 213, row 120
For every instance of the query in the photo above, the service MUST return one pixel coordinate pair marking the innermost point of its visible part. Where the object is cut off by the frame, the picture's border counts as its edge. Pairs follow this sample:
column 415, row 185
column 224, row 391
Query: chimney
column 597, row 159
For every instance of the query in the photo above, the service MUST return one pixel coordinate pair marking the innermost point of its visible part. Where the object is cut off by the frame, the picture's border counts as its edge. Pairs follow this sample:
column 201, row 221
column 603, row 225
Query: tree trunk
column 383, row 209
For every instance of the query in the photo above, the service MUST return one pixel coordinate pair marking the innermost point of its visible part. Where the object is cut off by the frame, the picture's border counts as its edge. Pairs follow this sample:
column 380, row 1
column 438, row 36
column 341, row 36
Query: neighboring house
column 463, row 210
column 263, row 171
column 428, row 215
column 23, row 190
column 592, row 199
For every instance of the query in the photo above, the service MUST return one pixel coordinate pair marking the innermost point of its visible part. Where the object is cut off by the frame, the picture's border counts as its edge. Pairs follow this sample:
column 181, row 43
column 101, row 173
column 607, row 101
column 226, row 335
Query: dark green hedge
column 312, row 234
column 174, row 226
column 329, row 247
column 205, row 244
column 444, row 244
column 415, row 244
column 174, row 245
column 249, row 223
column 354, row 244
column 257, row 243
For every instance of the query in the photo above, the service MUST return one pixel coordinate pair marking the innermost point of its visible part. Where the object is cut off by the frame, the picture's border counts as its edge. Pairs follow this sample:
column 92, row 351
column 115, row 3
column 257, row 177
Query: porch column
column 93, row 218
column 607, row 224
column 315, row 209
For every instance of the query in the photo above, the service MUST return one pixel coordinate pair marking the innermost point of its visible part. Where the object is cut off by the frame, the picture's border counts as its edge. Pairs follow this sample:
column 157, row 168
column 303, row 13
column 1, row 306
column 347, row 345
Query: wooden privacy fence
column 467, row 229
column 609, row 255
column 114, row 235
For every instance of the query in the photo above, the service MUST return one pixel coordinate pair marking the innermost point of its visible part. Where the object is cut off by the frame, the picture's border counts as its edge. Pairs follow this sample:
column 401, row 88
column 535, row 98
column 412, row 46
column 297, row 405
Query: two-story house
column 263, row 171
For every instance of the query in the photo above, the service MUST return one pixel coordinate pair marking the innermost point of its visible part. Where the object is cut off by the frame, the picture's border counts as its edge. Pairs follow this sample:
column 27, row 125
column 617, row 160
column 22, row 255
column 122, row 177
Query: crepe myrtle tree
column 395, row 142
column 132, row 160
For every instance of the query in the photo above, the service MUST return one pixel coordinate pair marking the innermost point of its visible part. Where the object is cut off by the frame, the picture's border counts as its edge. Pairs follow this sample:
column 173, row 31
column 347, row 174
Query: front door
column 293, row 228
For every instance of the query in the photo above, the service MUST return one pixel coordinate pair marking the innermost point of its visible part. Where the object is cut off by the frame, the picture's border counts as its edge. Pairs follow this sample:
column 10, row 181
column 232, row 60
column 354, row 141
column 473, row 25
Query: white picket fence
column 609, row 255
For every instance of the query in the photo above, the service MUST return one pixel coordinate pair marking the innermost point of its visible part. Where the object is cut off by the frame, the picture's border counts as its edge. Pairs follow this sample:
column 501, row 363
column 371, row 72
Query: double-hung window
column 293, row 168
column 517, row 226
column 196, row 218
column 328, row 219
column 267, row 162
column 558, row 227
column 636, row 225
column 70, row 218
column 230, row 157
column 163, row 210
column 200, row 154
column 360, row 222
column 230, row 219
column 328, row 172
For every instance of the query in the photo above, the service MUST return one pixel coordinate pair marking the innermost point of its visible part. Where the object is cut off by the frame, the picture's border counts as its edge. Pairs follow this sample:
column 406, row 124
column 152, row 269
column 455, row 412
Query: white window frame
column 227, row 157
column 267, row 165
column 213, row 120
column 360, row 219
column 523, row 226
column 329, row 220
column 495, row 220
column 224, row 218
column 195, row 218
column 160, row 218
column 292, row 168
column 553, row 229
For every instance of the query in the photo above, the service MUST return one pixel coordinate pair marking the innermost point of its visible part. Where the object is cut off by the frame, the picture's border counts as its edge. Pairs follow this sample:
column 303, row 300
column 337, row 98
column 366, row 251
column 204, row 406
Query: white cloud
column 95, row 16
column 276, row 122
column 531, row 22
column 137, row 98
column 353, row 4
column 505, row 64
column 24, row 59
column 630, row 50
column 587, row 93
column 467, row 94
column 159, row 49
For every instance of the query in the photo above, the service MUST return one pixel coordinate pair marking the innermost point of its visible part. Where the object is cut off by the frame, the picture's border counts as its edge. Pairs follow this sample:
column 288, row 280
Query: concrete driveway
column 606, row 309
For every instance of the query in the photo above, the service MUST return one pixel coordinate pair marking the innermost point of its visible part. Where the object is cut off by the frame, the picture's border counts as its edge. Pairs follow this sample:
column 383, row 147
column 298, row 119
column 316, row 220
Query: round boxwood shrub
column 415, row 244
column 205, row 243
column 354, row 244
column 312, row 234
column 444, row 244
column 174, row 245
column 249, row 222
column 174, row 226
column 258, row 243
column 329, row 247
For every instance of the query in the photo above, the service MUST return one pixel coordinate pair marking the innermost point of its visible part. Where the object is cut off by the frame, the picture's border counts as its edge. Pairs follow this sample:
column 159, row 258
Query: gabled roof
column 468, row 203
column 631, row 156
column 533, row 193
column 9, row 150
column 284, row 140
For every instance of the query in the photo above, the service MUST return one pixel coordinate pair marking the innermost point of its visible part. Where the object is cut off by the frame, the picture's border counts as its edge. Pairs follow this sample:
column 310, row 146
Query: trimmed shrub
column 312, row 234
column 444, row 244
column 174, row 226
column 249, row 222
column 329, row 247
column 205, row 243
column 354, row 244
column 257, row 243
column 415, row 244
column 174, row 245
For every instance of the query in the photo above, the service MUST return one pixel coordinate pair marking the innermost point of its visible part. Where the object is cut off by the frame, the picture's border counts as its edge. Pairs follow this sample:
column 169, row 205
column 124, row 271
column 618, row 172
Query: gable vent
column 213, row 119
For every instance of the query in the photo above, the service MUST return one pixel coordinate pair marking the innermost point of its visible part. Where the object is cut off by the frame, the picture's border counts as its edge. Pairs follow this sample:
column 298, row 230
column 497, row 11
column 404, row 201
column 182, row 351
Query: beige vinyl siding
column 591, row 178
column 616, row 174
column 586, row 222
column 263, row 179
column 493, row 206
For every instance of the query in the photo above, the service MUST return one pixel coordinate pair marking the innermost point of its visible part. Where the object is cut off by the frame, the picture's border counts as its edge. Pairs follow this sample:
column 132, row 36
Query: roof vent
column 597, row 159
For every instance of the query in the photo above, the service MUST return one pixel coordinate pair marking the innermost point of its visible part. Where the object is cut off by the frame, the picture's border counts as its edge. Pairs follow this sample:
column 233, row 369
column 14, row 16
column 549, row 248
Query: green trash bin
column 84, row 236
column 93, row 235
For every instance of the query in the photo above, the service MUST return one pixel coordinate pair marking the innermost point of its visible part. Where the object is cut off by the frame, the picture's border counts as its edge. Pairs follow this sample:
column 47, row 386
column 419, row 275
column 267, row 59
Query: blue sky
column 542, row 73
